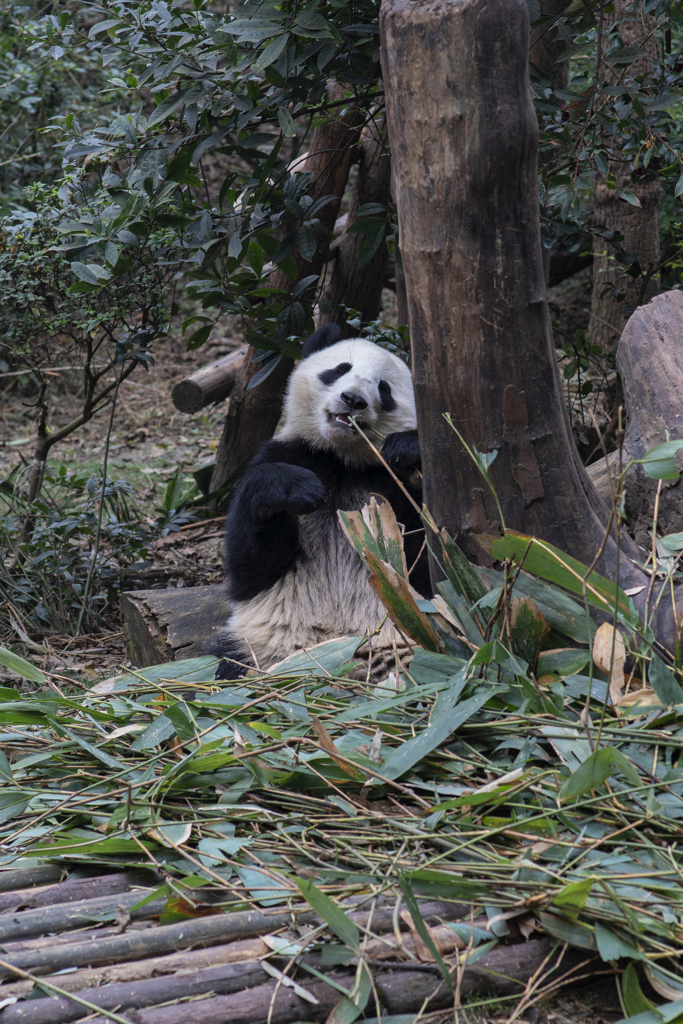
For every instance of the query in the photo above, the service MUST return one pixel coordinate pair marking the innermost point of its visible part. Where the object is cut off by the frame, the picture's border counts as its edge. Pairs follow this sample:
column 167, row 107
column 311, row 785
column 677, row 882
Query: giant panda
column 293, row 578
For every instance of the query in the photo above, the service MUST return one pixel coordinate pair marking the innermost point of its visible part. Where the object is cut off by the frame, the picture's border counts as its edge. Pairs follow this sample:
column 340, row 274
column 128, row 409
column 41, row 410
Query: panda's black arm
column 262, row 534
column 402, row 449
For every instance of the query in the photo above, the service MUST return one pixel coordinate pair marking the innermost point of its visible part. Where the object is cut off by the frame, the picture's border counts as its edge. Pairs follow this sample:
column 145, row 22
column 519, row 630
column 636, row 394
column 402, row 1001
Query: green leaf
column 271, row 52
column 595, row 770
column 632, row 995
column 308, row 243
column 167, row 106
column 545, row 560
column 611, row 946
column 286, row 122
column 573, row 897
column 660, row 462
column 252, row 30
column 5, row 770
column 408, row 754
column 628, row 196
column 664, row 683
column 199, row 337
column 342, row 926
column 421, row 929
column 101, row 755
column 322, row 659
column 20, row 667
column 84, row 272
column 679, row 186
column 162, row 728
column 13, row 802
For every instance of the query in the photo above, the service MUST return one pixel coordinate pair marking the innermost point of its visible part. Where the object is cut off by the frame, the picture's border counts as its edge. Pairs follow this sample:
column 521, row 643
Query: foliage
column 39, row 86
column 607, row 113
column 224, row 100
column 508, row 772
column 45, row 588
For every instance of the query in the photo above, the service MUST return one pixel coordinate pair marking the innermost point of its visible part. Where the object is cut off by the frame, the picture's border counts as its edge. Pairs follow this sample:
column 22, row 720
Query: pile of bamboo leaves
column 525, row 765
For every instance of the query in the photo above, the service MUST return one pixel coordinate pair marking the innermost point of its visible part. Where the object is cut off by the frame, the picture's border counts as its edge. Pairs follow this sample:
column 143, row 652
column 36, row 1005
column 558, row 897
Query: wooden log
column 650, row 364
column 151, row 967
column 64, row 916
column 351, row 286
column 124, row 995
column 74, row 889
column 504, row 971
column 213, row 383
column 39, row 874
column 232, row 952
column 173, row 624
column 202, row 931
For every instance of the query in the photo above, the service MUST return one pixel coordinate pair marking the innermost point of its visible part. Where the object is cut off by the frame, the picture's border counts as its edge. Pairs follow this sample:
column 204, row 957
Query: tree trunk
column 254, row 415
column 639, row 226
column 464, row 142
column 352, row 286
column 547, row 46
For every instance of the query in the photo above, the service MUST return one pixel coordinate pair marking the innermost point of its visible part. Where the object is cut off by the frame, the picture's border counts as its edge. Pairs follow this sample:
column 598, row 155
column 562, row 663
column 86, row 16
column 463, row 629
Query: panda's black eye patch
column 386, row 399
column 328, row 377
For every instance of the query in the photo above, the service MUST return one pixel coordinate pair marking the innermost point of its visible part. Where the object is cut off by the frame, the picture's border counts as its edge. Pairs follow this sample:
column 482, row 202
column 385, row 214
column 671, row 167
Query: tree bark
column 352, row 286
column 464, row 140
column 547, row 46
column 253, row 415
column 639, row 226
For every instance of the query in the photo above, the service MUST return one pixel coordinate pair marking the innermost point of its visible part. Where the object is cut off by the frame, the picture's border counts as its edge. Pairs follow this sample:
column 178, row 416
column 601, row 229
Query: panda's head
column 340, row 380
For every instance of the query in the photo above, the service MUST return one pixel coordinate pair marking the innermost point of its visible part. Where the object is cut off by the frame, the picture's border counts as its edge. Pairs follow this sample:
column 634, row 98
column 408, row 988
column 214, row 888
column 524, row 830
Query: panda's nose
column 354, row 400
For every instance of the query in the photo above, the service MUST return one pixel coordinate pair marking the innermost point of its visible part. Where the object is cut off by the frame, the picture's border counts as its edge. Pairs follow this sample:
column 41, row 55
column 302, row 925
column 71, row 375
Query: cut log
column 40, row 874
column 213, row 383
column 64, row 916
column 134, row 945
column 408, row 990
column 74, row 889
column 650, row 364
column 173, row 624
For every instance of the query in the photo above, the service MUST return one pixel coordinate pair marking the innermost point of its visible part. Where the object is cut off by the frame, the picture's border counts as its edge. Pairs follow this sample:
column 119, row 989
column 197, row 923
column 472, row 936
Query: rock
column 650, row 364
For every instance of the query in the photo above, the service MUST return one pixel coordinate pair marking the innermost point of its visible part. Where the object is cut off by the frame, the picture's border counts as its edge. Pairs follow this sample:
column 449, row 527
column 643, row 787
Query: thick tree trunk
column 639, row 226
column 464, row 145
column 254, row 415
column 352, row 286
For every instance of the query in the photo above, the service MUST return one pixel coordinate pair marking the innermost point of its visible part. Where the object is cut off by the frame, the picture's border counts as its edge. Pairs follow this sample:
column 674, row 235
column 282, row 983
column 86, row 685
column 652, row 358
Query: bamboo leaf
column 21, row 667
column 342, row 926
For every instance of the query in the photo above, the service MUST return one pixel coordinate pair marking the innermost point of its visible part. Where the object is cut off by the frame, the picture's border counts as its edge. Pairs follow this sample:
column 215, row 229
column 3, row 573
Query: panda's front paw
column 402, row 450
column 286, row 488
column 304, row 492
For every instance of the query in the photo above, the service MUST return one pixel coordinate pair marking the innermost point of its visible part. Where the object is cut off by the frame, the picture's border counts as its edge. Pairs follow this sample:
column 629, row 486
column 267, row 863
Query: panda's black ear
column 328, row 334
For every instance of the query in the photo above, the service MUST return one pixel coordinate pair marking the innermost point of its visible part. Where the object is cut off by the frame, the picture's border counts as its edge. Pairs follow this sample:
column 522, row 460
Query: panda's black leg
column 235, row 660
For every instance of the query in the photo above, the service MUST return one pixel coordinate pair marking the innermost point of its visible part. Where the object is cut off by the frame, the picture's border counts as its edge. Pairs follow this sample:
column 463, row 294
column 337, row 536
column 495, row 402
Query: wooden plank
column 173, row 624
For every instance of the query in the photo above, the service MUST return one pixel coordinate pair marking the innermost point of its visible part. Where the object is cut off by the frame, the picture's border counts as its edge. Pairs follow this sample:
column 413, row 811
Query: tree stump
column 173, row 624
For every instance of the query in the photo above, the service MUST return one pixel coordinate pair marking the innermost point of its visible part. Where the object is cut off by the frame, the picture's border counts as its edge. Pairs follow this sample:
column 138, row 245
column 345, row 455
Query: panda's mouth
column 345, row 419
